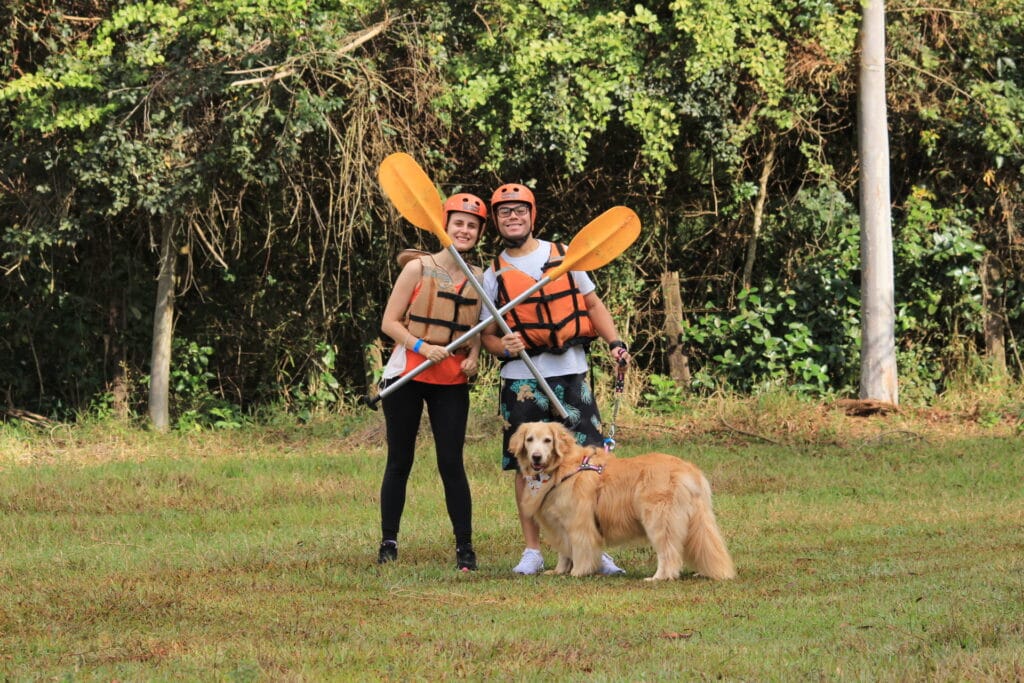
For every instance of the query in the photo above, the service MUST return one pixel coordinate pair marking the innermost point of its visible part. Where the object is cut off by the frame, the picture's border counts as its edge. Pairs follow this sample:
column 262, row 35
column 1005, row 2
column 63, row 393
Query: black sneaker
column 465, row 558
column 388, row 552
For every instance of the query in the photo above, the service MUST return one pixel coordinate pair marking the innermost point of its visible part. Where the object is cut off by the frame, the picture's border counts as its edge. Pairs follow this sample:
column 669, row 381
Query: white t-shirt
column 574, row 360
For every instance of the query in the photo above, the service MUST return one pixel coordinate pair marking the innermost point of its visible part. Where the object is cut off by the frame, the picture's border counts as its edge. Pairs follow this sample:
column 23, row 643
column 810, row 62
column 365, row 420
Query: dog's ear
column 565, row 440
column 515, row 444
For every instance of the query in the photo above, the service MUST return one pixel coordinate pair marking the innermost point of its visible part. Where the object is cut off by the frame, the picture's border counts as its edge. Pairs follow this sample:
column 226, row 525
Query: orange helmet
column 515, row 193
column 467, row 203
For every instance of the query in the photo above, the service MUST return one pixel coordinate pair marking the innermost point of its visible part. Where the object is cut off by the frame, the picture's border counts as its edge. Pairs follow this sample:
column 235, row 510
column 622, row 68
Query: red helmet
column 515, row 193
column 467, row 203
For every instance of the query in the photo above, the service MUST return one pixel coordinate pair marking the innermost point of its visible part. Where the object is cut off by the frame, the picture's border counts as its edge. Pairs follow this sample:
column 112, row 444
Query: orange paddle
column 416, row 198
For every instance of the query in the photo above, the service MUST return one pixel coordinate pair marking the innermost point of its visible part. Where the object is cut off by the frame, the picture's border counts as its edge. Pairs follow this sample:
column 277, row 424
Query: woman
column 431, row 304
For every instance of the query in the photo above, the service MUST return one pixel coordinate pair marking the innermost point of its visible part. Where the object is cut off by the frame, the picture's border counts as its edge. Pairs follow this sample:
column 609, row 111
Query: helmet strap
column 515, row 243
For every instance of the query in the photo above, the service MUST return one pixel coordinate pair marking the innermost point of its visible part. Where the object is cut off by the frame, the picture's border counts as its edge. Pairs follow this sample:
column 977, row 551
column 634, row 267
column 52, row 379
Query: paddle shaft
column 416, row 198
column 523, row 356
column 414, row 194
column 466, row 336
column 579, row 254
column 496, row 315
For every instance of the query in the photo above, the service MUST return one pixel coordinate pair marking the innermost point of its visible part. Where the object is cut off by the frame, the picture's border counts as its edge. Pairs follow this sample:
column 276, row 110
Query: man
column 554, row 325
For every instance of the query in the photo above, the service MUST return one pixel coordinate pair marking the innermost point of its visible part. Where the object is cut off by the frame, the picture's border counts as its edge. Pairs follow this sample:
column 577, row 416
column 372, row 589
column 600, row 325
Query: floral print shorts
column 522, row 400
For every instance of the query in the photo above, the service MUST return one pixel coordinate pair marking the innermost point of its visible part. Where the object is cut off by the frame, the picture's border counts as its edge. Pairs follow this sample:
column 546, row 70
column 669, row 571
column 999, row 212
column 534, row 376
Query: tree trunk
column 762, row 195
column 678, row 361
column 163, row 332
column 114, row 364
column 878, row 376
column 995, row 329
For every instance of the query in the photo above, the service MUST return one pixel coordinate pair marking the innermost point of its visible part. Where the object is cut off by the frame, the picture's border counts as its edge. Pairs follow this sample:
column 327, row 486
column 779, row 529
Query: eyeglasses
column 506, row 211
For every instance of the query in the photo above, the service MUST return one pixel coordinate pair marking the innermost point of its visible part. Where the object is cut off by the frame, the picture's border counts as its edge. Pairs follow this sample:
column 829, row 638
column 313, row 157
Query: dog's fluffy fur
column 657, row 496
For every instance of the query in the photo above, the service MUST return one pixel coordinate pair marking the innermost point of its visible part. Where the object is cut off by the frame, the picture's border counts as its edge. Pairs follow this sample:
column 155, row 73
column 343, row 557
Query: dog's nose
column 536, row 458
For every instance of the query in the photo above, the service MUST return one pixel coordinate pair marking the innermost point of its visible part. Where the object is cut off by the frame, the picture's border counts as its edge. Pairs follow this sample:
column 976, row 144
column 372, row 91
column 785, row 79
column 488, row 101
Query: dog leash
column 620, row 383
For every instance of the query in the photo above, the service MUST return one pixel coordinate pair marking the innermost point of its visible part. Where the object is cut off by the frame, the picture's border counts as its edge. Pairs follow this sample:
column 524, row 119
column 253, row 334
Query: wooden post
column 995, row 330
column 678, row 361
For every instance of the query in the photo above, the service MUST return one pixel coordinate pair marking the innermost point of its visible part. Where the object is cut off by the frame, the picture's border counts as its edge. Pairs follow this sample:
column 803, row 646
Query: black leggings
column 447, row 408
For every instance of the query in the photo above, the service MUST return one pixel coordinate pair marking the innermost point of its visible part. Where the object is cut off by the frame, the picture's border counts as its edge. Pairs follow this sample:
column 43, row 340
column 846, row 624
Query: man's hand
column 512, row 344
column 619, row 352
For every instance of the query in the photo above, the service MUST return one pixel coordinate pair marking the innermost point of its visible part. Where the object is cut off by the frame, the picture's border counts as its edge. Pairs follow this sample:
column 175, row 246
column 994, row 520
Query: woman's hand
column 434, row 353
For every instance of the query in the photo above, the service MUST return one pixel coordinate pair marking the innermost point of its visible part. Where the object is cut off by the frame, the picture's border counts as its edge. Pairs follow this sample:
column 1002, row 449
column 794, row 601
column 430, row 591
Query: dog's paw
column 580, row 573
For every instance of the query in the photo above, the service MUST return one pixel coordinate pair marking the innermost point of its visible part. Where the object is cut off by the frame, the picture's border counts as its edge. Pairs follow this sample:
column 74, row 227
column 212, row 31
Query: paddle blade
column 600, row 241
column 413, row 193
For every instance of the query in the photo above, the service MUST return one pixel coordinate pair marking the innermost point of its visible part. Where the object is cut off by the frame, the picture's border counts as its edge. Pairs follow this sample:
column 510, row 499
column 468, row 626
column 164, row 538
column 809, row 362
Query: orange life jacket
column 440, row 310
column 553, row 318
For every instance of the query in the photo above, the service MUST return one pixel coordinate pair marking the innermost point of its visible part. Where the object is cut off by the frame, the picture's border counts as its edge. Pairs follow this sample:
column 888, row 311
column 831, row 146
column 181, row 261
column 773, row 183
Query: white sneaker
column 608, row 566
column 532, row 562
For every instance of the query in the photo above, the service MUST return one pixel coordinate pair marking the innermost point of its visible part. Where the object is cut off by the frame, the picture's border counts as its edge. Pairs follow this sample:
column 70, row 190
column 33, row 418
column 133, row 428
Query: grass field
column 876, row 549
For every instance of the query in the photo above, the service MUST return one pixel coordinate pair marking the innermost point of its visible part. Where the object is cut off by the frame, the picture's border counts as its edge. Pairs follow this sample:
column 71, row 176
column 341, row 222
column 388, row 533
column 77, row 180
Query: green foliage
column 938, row 279
column 74, row 91
column 623, row 291
column 664, row 395
column 563, row 67
column 802, row 334
column 750, row 35
column 194, row 402
column 767, row 341
column 961, row 203
column 253, row 129
column 563, row 77
column 805, row 334
column 322, row 390
column 102, row 407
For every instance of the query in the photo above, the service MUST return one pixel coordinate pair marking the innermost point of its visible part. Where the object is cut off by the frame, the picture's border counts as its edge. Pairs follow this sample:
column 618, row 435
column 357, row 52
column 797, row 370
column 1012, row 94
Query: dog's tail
column 705, row 549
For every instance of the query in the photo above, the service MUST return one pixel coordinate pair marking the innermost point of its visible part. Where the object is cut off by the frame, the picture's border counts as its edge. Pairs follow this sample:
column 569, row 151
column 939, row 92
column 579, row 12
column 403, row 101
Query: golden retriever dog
column 585, row 498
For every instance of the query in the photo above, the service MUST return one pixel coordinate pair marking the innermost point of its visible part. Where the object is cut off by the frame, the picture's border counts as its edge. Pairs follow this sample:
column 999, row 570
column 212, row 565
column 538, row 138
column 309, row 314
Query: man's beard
column 515, row 243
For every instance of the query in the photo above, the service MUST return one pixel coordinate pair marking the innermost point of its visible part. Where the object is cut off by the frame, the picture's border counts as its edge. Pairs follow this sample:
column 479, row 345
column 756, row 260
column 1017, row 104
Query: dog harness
column 536, row 482
column 542, row 477
column 585, row 466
